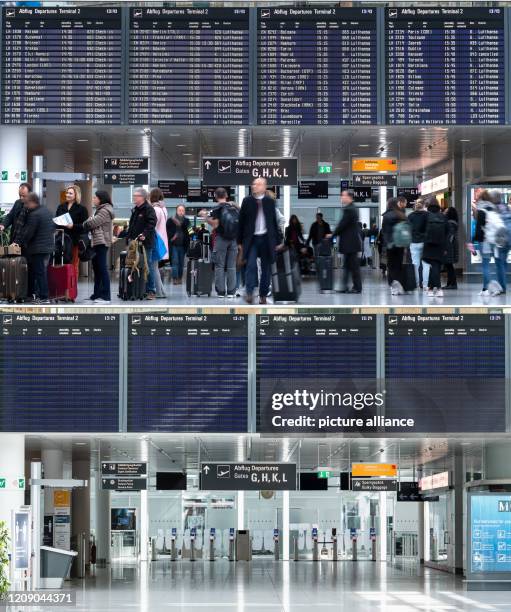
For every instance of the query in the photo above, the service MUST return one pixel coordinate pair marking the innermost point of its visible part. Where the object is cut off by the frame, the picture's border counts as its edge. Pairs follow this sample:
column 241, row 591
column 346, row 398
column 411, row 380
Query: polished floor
column 265, row 585
column 375, row 293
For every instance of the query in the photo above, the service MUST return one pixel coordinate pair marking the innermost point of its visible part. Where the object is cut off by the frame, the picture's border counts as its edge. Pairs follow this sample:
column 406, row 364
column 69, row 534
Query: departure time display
column 187, row 373
column 61, row 66
column 317, row 66
column 445, row 66
column 59, row 373
column 447, row 372
column 189, row 66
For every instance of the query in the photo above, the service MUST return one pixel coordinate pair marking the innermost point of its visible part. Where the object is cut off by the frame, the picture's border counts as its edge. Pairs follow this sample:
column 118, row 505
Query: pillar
column 52, row 459
column 55, row 161
column 287, row 203
column 285, row 526
column 102, row 521
column 80, row 515
column 459, row 481
column 241, row 509
column 497, row 460
column 12, row 467
column 13, row 158
column 383, row 526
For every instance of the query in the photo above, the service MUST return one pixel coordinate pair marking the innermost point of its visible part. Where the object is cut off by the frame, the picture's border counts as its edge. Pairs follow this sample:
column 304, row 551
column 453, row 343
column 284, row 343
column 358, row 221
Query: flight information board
column 317, row 66
column 447, row 372
column 61, row 66
column 304, row 357
column 187, row 373
column 59, row 373
column 189, row 66
column 445, row 66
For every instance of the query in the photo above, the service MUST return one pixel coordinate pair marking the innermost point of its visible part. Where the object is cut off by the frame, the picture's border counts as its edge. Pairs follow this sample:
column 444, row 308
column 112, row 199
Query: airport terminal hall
column 255, row 333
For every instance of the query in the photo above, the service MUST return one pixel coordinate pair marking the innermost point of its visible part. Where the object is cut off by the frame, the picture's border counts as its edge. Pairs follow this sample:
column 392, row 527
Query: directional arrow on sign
column 206, row 469
column 208, row 166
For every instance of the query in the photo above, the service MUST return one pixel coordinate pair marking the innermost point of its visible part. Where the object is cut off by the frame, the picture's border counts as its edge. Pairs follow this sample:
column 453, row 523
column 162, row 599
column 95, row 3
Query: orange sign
column 61, row 498
column 373, row 469
column 373, row 164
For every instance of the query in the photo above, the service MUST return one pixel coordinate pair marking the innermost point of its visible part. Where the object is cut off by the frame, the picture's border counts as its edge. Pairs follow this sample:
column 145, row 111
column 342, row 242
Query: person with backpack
column 435, row 244
column 418, row 221
column 350, row 243
column 397, row 236
column 452, row 252
column 15, row 218
column 224, row 219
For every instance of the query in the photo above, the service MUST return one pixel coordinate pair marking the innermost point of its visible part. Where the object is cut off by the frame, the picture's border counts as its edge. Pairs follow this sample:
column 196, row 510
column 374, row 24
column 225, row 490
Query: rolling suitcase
column 325, row 264
column 199, row 272
column 285, row 278
column 13, row 278
column 408, row 279
column 62, row 279
column 131, row 282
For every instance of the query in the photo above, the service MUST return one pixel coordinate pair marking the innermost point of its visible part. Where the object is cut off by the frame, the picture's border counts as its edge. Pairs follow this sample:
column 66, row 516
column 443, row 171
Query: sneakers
column 431, row 293
column 484, row 293
column 220, row 294
column 435, row 292
column 495, row 288
column 102, row 301
column 231, row 296
column 150, row 296
column 396, row 288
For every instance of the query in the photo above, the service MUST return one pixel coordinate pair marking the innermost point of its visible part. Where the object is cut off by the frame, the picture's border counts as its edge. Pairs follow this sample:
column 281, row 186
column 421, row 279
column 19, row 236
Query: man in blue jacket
column 258, row 237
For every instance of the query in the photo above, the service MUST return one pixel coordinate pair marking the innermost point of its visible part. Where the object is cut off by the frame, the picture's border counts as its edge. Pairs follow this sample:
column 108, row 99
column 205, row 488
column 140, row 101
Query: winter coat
column 348, row 231
column 78, row 214
column 100, row 225
column 452, row 252
column 37, row 237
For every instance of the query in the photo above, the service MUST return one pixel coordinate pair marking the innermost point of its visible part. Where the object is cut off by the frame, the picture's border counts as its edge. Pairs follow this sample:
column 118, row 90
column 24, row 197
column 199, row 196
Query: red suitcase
column 62, row 283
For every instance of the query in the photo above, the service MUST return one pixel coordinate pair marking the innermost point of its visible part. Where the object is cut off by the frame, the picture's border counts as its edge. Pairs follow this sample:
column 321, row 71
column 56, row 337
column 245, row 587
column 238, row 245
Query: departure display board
column 187, row 373
column 316, row 373
column 59, row 372
column 445, row 66
column 189, row 66
column 447, row 372
column 61, row 66
column 317, row 66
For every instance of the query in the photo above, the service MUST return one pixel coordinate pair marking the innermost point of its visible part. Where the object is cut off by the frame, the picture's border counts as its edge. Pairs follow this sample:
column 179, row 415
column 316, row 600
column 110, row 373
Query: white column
column 102, row 521
column 13, row 158
column 287, row 203
column 144, row 525
column 427, row 549
column 52, row 459
column 383, row 526
column 80, row 521
column 242, row 192
column 12, row 467
column 382, row 203
column 285, row 526
column 241, row 509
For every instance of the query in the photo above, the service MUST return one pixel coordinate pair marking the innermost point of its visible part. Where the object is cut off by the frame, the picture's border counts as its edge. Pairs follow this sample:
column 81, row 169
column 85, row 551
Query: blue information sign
column 490, row 533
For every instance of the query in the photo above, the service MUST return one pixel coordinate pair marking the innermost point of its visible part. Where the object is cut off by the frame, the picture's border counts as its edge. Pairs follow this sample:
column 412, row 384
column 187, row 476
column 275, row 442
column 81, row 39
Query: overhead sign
column 373, row 469
column 114, row 178
column 124, row 484
column 124, row 468
column 243, row 170
column 375, row 180
column 323, row 473
column 248, row 476
column 324, row 167
column 174, row 189
column 374, row 484
column 126, row 163
column 312, row 190
column 373, row 164
column 409, row 492
column 436, row 481
column 439, row 183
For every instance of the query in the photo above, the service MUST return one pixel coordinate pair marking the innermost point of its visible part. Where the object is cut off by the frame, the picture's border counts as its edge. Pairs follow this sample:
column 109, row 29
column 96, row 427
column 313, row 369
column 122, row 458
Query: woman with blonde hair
column 79, row 215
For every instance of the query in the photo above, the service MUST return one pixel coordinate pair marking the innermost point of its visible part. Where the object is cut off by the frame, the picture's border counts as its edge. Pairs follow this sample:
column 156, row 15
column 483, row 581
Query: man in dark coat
column 17, row 211
column 350, row 245
column 258, row 237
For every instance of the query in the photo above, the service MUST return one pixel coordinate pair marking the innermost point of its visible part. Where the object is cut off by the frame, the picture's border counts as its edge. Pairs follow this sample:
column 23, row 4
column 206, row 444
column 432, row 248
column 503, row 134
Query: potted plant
column 4, row 559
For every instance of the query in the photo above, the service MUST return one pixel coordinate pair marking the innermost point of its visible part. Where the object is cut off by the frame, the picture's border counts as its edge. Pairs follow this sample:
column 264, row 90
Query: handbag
column 159, row 248
column 85, row 250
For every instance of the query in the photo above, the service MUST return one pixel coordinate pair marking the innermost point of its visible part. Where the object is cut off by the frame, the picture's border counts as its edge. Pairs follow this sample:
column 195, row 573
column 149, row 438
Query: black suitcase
column 13, row 278
column 325, row 247
column 325, row 272
column 131, row 282
column 285, row 278
column 199, row 277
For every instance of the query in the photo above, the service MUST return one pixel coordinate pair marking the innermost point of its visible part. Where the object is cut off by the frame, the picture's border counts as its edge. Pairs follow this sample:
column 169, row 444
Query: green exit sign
column 324, row 474
column 324, row 168
column 3, row 483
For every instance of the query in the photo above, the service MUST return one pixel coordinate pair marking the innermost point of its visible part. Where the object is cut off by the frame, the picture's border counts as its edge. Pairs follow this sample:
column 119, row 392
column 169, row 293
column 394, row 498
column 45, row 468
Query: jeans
column 178, row 259
column 38, row 275
column 150, row 285
column 260, row 247
column 351, row 267
column 485, row 264
column 158, row 283
column 101, row 275
column 224, row 258
column 416, row 250
column 501, row 265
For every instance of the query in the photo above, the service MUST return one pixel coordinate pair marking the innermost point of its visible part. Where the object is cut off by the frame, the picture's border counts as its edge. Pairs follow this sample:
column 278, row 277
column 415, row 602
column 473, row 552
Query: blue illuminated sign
column 490, row 543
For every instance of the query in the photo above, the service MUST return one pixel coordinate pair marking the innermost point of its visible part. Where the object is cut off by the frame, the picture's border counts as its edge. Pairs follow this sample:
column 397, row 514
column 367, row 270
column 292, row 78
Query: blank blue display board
column 187, row 373
column 59, row 373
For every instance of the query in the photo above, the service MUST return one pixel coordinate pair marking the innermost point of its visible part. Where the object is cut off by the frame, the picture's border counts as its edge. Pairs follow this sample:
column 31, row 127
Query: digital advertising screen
column 489, row 537
column 187, row 373
column 446, row 371
column 59, row 373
